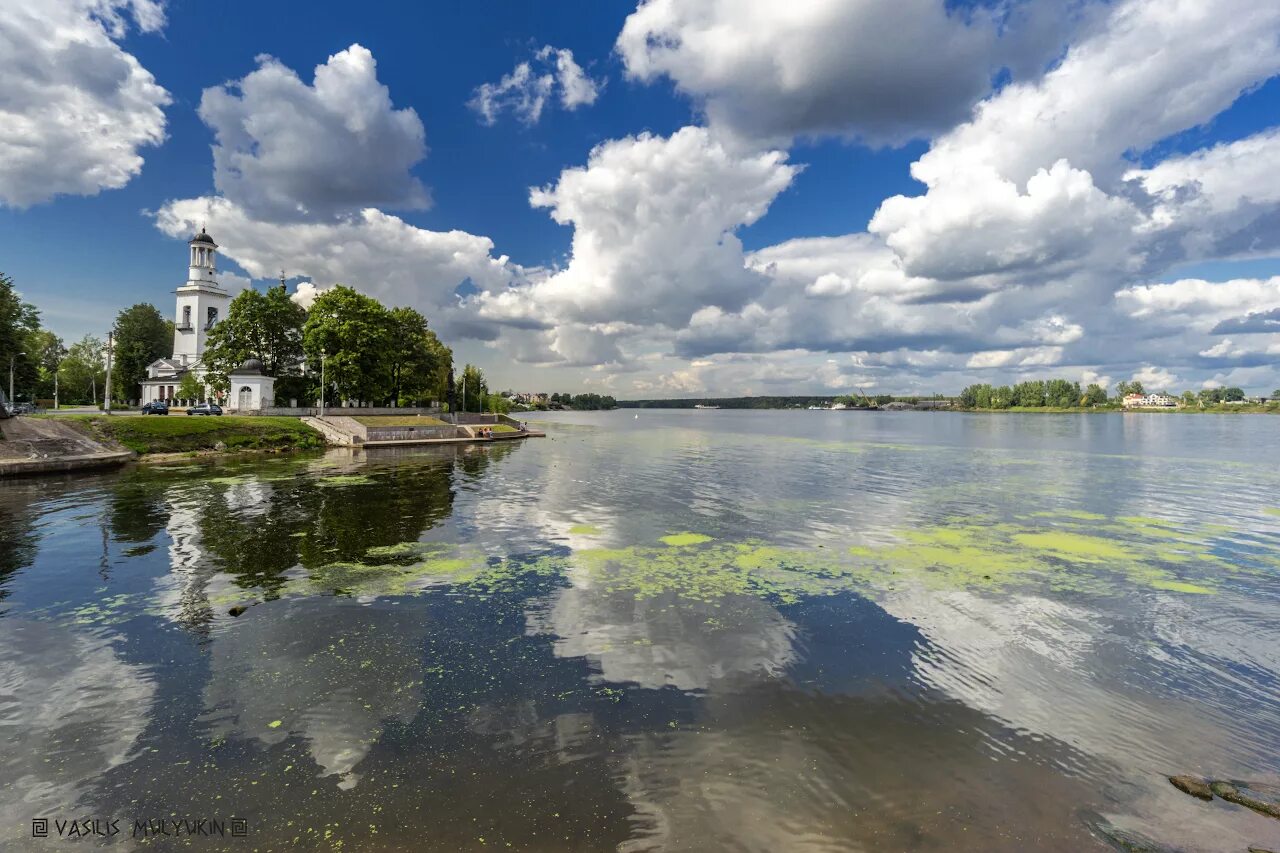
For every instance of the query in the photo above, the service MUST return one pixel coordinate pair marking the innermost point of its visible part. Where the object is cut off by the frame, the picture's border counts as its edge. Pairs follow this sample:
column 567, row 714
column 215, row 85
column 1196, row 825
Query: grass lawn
column 398, row 420
column 180, row 433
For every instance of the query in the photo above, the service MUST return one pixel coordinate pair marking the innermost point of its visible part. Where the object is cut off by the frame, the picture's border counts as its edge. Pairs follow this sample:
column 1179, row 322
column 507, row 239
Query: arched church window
column 213, row 318
column 186, row 316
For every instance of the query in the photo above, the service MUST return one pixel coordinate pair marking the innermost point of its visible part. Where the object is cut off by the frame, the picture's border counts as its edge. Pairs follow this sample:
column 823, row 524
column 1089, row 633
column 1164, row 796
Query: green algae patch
column 584, row 530
column 709, row 571
column 1074, row 546
column 680, row 540
column 344, row 480
column 275, row 724
column 1272, row 510
column 1181, row 586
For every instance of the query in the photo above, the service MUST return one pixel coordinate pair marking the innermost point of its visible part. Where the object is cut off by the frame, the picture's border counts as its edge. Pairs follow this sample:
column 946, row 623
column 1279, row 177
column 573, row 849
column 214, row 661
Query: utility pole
column 12, row 357
column 106, row 394
column 322, row 385
column 55, row 385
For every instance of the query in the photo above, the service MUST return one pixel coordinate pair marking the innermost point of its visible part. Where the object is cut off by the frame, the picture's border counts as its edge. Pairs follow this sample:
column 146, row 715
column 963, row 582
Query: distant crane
column 870, row 403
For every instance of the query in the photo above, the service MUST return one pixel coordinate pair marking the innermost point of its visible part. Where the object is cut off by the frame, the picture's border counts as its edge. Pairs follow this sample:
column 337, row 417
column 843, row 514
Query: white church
column 201, row 303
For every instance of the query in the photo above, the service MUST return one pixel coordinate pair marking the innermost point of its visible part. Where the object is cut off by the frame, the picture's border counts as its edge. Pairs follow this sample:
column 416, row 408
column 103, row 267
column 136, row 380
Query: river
column 657, row 630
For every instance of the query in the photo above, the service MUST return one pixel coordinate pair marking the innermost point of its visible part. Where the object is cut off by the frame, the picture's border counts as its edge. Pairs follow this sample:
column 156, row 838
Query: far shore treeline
column 378, row 355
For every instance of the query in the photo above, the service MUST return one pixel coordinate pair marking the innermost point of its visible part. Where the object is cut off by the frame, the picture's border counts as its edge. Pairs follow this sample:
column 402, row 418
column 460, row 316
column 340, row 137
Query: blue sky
column 714, row 144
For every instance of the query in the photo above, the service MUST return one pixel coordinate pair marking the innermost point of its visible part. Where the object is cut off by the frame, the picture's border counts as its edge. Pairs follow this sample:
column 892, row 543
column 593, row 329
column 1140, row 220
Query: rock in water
column 1193, row 785
column 1250, row 797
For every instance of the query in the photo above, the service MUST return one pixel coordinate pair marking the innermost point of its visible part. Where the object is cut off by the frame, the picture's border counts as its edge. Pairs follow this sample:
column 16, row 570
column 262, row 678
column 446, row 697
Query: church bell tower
column 202, row 303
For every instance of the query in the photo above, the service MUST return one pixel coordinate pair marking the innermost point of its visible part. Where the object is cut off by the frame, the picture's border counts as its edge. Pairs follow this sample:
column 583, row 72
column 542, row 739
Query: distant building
column 1150, row 401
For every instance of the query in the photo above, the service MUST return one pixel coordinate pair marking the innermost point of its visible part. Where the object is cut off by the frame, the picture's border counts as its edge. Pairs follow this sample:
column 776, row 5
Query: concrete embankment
column 362, row 432
column 38, row 446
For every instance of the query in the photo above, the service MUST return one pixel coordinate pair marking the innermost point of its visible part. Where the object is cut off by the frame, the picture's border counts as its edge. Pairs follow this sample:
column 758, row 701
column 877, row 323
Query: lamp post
column 12, row 358
column 106, row 392
column 322, row 385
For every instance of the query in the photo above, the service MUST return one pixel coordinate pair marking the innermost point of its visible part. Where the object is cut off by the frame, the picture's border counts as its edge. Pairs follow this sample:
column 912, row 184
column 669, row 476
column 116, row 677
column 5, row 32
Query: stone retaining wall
column 338, row 411
column 410, row 433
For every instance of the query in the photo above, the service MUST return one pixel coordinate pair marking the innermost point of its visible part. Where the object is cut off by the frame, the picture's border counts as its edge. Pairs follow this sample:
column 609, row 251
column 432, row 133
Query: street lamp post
column 12, row 358
column 106, row 392
column 322, row 385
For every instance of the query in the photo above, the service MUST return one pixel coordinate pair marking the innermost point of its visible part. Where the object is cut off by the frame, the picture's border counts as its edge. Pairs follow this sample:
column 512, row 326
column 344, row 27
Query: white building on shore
column 201, row 304
column 1150, row 401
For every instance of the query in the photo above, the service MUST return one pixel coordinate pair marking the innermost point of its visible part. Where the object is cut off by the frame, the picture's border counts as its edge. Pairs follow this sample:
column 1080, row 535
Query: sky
column 678, row 198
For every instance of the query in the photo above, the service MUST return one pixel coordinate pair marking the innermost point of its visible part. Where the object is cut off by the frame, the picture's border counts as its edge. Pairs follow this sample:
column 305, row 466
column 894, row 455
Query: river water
column 658, row 630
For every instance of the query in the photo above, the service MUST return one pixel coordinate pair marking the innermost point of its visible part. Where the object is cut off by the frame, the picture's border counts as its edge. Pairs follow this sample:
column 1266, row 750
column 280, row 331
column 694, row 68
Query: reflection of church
column 201, row 304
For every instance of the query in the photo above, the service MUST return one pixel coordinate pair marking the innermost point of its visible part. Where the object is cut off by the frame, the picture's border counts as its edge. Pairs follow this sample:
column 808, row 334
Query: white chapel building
column 201, row 304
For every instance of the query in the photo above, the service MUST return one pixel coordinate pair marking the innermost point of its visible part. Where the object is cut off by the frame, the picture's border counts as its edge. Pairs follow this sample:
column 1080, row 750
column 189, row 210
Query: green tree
column 1210, row 396
column 1095, row 395
column 1189, row 398
column 475, row 389
column 190, row 388
column 1232, row 395
column 47, row 350
column 83, row 372
column 415, row 358
column 353, row 332
column 1061, row 393
column 18, row 322
column 1124, row 388
column 266, row 326
column 141, row 337
column 1029, row 393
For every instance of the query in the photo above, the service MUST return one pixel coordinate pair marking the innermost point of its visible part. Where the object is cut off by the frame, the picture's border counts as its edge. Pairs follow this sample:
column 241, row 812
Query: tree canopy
column 141, row 337
column 373, row 354
column 266, row 326
column 19, row 322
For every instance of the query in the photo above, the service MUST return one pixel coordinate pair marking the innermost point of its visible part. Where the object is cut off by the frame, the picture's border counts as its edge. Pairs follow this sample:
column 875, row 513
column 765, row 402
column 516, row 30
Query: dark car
column 158, row 407
column 205, row 409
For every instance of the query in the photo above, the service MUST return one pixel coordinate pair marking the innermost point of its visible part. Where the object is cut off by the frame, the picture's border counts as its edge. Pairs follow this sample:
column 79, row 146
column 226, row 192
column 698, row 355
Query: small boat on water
column 700, row 406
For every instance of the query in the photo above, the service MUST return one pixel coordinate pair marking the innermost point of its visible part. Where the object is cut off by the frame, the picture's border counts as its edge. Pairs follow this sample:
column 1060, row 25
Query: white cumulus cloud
column 285, row 149
column 531, row 84
column 75, row 108
column 878, row 70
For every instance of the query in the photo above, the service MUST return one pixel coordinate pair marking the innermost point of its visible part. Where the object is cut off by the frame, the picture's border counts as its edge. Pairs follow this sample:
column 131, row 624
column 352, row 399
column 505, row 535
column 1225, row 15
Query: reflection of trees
column 343, row 522
column 17, row 535
column 138, row 509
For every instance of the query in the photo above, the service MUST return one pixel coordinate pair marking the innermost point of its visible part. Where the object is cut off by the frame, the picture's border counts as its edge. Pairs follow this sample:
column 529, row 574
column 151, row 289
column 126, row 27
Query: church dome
column 203, row 237
column 251, row 365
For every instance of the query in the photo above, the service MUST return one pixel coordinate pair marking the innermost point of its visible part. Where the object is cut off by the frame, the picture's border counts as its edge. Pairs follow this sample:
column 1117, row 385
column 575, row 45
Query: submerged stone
column 1264, row 799
column 1193, row 785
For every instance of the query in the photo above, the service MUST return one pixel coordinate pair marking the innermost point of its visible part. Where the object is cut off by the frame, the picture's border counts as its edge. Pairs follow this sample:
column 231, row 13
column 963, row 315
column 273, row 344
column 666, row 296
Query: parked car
column 158, row 407
column 23, row 409
column 205, row 409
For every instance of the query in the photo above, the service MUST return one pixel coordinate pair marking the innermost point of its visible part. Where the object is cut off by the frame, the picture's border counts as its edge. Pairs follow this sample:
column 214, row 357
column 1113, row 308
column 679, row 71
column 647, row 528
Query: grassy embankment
column 178, row 434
